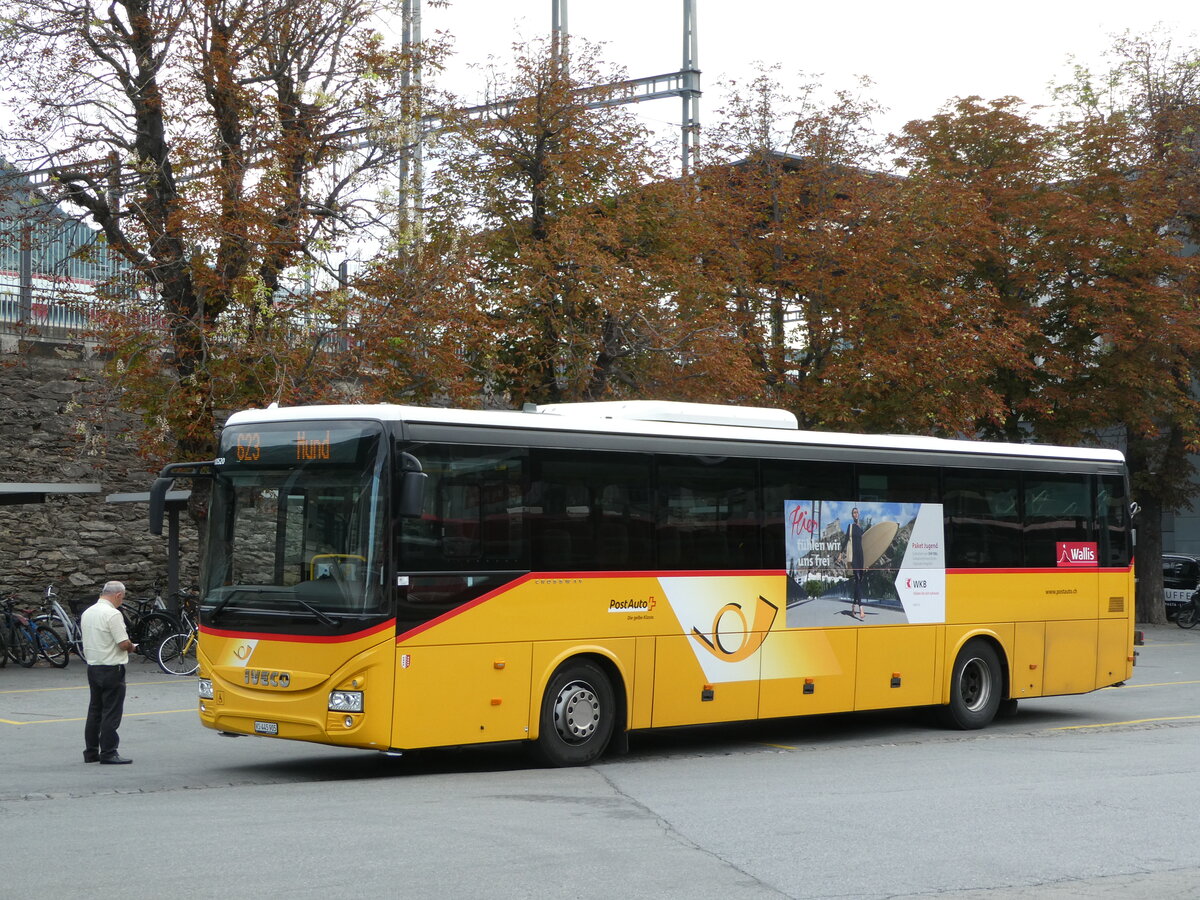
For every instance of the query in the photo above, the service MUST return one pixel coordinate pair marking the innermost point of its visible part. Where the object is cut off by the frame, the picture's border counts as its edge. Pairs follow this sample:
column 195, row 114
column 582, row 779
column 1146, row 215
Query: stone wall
column 56, row 426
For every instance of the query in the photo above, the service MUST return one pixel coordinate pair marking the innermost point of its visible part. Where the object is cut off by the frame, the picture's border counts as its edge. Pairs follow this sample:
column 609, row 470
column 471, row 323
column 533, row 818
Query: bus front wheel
column 976, row 687
column 577, row 716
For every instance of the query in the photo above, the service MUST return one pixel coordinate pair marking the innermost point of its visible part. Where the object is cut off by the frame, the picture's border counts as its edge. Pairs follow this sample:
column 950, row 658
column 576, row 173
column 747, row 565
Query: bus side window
column 1057, row 508
column 612, row 528
column 475, row 511
column 898, row 484
column 1112, row 511
column 594, row 513
column 804, row 480
column 562, row 530
column 708, row 516
column 458, row 510
column 983, row 527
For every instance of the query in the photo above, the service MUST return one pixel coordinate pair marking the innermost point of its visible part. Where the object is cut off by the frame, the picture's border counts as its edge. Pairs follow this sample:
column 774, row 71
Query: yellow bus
column 393, row 577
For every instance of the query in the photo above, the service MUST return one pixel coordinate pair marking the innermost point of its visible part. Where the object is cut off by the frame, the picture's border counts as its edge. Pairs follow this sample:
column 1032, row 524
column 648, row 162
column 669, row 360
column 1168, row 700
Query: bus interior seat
column 612, row 544
column 670, row 549
column 556, row 548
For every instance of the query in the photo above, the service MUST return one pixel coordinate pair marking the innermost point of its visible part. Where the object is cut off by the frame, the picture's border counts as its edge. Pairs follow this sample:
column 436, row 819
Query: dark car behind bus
column 1181, row 578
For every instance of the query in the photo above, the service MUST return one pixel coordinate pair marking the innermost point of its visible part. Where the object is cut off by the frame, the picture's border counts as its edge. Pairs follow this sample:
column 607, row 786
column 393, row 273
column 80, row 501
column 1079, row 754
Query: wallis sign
column 1077, row 553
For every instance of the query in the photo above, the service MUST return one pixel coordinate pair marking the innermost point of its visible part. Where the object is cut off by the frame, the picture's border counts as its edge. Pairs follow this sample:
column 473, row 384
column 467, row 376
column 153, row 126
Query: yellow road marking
column 1130, row 722
column 81, row 687
column 1154, row 684
column 161, row 712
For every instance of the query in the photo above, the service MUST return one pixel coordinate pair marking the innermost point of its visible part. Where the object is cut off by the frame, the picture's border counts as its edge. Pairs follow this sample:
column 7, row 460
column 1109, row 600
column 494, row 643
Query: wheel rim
column 975, row 684
column 27, row 651
column 576, row 712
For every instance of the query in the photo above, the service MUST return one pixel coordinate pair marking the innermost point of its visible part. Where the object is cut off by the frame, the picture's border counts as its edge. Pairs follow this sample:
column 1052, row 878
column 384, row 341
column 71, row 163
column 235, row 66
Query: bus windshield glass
column 296, row 528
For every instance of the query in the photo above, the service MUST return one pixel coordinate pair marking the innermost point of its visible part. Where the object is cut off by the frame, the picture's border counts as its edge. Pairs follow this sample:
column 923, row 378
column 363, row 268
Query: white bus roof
column 668, row 419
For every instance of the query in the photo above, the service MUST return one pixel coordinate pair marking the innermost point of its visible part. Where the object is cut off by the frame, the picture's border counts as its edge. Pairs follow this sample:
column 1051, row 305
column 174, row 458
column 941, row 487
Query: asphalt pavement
column 1080, row 796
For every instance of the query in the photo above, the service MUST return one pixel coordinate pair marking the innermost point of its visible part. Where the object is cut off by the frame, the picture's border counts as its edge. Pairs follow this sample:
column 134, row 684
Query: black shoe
column 91, row 756
column 114, row 759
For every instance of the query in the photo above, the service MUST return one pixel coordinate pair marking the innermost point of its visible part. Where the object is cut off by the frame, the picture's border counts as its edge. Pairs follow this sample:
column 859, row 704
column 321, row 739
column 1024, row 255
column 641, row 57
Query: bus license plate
column 266, row 728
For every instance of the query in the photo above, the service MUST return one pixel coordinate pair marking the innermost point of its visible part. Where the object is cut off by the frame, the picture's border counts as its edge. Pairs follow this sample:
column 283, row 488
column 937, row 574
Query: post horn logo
column 748, row 637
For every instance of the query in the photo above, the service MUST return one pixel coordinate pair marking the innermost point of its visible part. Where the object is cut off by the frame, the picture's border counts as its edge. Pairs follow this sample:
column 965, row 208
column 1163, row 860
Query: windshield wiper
column 323, row 618
column 320, row 616
column 216, row 610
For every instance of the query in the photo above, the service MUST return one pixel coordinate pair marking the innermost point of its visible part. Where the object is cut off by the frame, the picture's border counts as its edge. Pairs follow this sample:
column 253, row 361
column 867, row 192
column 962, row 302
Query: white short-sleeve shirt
column 103, row 630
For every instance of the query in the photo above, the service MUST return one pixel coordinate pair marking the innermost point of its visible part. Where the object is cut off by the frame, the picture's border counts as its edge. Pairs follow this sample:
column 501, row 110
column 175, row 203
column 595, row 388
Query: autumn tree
column 1004, row 166
column 843, row 274
column 1082, row 268
column 582, row 245
column 226, row 149
column 419, row 334
column 1151, row 91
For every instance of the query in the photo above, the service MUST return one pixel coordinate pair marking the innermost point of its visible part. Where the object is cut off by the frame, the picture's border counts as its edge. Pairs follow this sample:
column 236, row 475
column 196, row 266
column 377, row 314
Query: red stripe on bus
column 562, row 576
column 1078, row 570
column 302, row 638
column 450, row 614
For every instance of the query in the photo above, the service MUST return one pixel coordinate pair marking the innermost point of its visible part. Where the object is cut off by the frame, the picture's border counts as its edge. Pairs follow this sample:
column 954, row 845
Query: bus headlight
column 346, row 701
column 205, row 687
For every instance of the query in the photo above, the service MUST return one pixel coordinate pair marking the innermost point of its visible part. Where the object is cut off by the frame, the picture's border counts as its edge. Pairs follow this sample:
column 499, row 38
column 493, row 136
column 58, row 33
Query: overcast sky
column 919, row 53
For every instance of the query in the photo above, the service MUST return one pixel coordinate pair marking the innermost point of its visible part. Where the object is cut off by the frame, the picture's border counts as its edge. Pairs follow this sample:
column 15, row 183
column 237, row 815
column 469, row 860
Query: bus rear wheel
column 976, row 687
column 578, row 714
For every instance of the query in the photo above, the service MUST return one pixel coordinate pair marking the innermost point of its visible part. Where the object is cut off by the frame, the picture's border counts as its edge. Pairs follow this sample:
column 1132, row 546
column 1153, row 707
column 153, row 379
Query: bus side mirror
column 412, row 494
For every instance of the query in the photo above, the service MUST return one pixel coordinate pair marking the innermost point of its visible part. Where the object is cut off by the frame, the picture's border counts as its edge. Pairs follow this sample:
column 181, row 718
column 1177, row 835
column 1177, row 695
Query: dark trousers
column 860, row 576
column 107, row 684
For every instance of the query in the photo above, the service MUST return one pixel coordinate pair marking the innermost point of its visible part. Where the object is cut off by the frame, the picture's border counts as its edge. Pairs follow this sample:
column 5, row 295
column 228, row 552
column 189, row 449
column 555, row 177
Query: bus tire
column 976, row 687
column 577, row 716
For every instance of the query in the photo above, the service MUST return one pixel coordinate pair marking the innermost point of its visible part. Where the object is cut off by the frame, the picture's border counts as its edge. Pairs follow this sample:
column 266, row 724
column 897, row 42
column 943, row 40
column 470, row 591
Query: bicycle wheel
column 150, row 631
column 177, row 654
column 1186, row 617
column 55, row 624
column 51, row 647
column 3, row 650
column 23, row 651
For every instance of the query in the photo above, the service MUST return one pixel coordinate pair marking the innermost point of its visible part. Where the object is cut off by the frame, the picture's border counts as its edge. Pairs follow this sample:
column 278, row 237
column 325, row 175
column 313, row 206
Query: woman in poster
column 852, row 549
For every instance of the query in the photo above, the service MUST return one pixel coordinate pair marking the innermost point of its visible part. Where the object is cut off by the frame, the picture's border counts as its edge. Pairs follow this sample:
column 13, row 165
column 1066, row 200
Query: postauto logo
column 631, row 606
column 733, row 637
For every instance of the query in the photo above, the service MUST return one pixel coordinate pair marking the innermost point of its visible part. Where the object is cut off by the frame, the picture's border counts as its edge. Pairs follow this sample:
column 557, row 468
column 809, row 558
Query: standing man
column 106, row 645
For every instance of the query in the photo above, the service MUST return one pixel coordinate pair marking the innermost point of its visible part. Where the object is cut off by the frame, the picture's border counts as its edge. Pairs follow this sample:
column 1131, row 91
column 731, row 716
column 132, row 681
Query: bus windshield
column 296, row 528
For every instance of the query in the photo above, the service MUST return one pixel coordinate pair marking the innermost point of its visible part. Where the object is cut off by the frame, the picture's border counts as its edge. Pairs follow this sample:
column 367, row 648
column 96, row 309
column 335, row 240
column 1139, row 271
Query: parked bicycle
column 1189, row 614
column 177, row 653
column 25, row 641
column 149, row 622
column 63, row 623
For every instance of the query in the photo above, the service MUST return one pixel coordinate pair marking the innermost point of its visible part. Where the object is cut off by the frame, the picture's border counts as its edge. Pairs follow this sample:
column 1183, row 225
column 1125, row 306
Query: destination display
column 290, row 445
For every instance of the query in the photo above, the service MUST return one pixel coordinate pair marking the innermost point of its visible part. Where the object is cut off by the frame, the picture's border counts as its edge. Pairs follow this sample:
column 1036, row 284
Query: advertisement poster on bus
column 855, row 562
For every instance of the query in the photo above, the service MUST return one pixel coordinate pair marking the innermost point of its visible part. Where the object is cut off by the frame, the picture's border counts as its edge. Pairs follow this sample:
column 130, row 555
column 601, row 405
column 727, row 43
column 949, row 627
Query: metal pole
column 559, row 35
column 173, row 555
column 690, row 70
column 402, row 219
column 418, row 174
column 25, row 271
